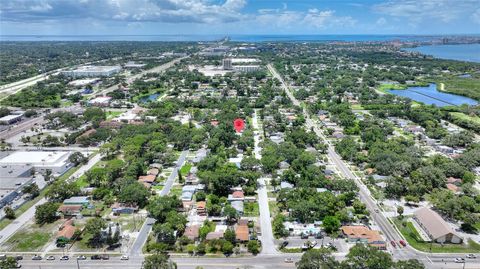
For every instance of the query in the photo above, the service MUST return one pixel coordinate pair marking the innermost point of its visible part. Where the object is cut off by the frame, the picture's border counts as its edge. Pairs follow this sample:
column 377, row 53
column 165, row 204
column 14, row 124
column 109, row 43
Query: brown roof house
column 192, row 232
column 362, row 234
column 70, row 210
column 435, row 227
column 241, row 232
column 66, row 231
column 147, row 180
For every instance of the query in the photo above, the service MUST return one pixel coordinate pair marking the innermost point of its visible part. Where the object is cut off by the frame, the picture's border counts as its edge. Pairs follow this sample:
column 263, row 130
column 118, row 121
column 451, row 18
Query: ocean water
column 431, row 96
column 237, row 38
column 463, row 52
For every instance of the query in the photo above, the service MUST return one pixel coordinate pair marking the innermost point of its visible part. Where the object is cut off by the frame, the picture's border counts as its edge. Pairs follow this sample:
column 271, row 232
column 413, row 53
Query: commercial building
column 227, row 64
column 9, row 119
column 362, row 234
column 41, row 161
column 435, row 227
column 92, row 71
column 246, row 68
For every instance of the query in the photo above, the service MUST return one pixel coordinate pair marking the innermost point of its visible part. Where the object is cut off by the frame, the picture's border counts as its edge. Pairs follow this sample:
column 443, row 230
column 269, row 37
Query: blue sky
column 152, row 17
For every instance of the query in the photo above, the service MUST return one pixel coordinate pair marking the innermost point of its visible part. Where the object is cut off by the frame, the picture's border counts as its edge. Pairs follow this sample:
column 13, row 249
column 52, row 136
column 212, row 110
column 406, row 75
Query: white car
column 471, row 256
column 459, row 260
column 50, row 258
column 288, row 260
column 124, row 258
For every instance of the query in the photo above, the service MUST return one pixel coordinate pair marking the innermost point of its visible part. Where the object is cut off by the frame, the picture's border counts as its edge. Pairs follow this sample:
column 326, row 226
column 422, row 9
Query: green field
column 413, row 238
column 251, row 210
column 461, row 116
column 185, row 169
column 469, row 87
column 113, row 114
column 385, row 87
column 28, row 241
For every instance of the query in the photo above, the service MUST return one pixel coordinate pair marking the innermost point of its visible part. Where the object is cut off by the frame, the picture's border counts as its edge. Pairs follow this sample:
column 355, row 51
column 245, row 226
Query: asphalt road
column 431, row 260
column 267, row 238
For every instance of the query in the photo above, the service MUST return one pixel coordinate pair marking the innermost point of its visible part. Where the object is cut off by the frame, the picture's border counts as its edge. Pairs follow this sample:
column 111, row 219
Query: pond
column 431, row 96
column 149, row 98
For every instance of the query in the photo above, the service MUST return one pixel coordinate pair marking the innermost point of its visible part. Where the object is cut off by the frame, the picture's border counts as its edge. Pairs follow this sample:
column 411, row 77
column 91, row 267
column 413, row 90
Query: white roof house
column 57, row 161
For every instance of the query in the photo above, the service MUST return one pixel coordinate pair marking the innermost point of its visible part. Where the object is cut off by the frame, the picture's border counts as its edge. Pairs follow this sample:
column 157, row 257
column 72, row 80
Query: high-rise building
column 227, row 64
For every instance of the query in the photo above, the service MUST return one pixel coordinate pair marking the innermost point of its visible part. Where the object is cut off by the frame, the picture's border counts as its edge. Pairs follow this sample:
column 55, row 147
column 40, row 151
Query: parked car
column 459, row 260
column 284, row 244
column 36, row 258
column 304, row 236
column 81, row 258
column 105, row 257
column 403, row 243
column 50, row 258
column 64, row 258
column 471, row 256
column 96, row 257
column 124, row 258
column 318, row 235
column 19, row 257
column 288, row 260
column 393, row 243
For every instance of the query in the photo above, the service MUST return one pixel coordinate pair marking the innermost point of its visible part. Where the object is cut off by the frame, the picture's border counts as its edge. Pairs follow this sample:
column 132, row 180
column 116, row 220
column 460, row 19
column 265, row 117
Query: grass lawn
column 113, row 114
column 251, row 209
column 385, row 87
column 413, row 238
column 357, row 107
column 28, row 241
column 176, row 190
column 185, row 169
column 461, row 116
column 273, row 207
column 82, row 182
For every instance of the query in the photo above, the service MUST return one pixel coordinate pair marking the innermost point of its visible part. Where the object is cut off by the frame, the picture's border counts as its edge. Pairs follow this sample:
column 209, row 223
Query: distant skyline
column 233, row 17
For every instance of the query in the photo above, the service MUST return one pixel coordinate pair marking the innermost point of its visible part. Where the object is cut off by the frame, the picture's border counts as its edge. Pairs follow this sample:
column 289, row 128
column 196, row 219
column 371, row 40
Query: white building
column 102, row 101
column 9, row 119
column 227, row 64
column 246, row 68
column 56, row 161
column 92, row 71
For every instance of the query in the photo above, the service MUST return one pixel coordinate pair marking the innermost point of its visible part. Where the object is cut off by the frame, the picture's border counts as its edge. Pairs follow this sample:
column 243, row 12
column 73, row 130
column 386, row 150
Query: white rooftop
column 35, row 157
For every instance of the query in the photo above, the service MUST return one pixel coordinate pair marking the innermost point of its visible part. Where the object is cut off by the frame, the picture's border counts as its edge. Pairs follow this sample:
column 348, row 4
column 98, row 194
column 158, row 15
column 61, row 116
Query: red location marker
column 238, row 124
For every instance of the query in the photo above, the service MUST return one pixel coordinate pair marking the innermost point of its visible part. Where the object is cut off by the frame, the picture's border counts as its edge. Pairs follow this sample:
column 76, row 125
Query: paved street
column 267, row 238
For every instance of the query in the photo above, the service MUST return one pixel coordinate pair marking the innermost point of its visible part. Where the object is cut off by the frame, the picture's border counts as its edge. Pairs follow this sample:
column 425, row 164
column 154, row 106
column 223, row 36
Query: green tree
column 46, row 213
column 317, row 259
column 32, row 189
column 158, row 261
column 134, row 193
column 94, row 227
column 9, row 213
column 227, row 247
column 253, row 247
column 230, row 236
column 362, row 256
column 61, row 190
column 331, row 224
column 400, row 210
column 8, row 263
column 230, row 213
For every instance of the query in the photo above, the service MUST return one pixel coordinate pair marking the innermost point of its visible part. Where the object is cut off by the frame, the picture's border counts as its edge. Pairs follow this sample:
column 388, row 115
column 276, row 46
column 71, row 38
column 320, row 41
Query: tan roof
column 147, row 178
column 67, row 230
column 153, row 171
column 241, row 232
column 362, row 232
column 192, row 232
column 214, row 235
column 201, row 204
column 432, row 222
column 452, row 187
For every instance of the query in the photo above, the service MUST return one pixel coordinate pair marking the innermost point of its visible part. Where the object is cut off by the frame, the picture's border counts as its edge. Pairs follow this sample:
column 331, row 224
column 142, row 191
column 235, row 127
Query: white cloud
column 381, row 21
column 476, row 16
column 312, row 18
column 420, row 10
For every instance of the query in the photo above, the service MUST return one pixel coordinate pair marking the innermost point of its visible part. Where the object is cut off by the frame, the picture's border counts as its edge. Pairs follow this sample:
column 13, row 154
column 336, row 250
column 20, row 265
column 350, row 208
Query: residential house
column 241, row 232
column 192, row 232
column 147, row 180
column 66, row 231
column 77, row 200
column 70, row 210
column 201, row 208
column 123, row 208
